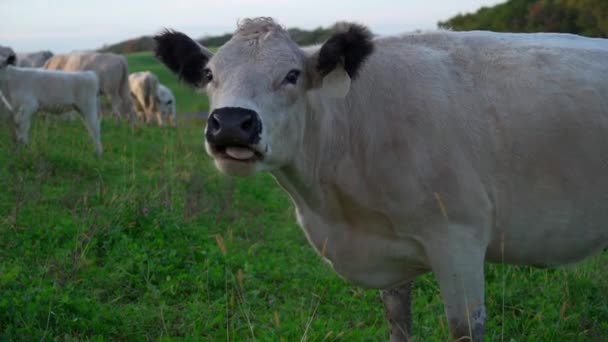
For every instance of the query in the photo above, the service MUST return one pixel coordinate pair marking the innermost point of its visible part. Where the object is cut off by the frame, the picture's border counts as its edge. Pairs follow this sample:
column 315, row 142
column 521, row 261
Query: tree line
column 584, row 17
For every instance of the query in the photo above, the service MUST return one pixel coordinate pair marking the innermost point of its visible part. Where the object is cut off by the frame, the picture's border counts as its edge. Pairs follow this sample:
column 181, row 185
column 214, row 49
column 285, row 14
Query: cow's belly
column 362, row 256
column 551, row 232
column 373, row 262
column 546, row 246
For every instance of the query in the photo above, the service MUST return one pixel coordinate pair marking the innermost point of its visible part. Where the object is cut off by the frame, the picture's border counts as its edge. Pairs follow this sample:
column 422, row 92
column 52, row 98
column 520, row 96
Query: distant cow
column 144, row 92
column 166, row 104
column 422, row 152
column 25, row 91
column 8, row 55
column 112, row 72
column 33, row 59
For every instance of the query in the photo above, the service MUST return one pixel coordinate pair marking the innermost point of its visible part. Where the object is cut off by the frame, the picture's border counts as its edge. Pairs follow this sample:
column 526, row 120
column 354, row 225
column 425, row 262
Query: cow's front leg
column 22, row 121
column 457, row 263
column 159, row 119
column 398, row 310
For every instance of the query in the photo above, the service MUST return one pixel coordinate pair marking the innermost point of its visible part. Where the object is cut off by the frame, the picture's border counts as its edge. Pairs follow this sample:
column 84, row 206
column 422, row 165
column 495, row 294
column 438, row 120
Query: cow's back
column 33, row 59
column 110, row 68
column 53, row 90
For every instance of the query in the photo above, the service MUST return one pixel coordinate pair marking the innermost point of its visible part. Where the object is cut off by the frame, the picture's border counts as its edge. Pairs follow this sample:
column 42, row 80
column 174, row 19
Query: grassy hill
column 151, row 243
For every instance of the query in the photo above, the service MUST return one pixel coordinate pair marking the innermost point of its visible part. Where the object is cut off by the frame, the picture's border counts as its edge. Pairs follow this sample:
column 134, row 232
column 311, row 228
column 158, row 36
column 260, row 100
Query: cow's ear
column 340, row 58
column 183, row 56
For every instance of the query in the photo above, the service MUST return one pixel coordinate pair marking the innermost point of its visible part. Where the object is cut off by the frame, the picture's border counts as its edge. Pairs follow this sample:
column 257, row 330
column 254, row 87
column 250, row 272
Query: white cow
column 144, row 92
column 166, row 104
column 8, row 55
column 113, row 76
column 423, row 152
column 25, row 91
column 33, row 59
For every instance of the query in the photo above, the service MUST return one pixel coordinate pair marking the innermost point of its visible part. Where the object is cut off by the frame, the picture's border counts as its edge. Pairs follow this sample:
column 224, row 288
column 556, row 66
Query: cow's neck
column 316, row 179
column 340, row 204
column 325, row 139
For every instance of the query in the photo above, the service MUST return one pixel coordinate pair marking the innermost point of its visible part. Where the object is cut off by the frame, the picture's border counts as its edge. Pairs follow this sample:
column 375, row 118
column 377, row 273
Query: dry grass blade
column 310, row 319
column 444, row 212
column 324, row 248
column 240, row 276
column 277, row 320
column 221, row 244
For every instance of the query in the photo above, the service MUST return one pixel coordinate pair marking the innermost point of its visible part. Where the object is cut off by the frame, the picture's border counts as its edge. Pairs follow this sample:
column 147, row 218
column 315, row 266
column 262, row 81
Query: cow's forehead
column 265, row 51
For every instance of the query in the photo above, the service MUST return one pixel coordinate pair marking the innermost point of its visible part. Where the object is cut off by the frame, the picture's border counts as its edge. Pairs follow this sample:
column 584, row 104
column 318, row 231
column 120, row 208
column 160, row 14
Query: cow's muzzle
column 232, row 132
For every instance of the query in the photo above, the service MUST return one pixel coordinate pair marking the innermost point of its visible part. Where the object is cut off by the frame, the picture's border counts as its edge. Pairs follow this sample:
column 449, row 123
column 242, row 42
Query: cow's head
column 258, row 85
column 7, row 56
column 166, row 101
column 46, row 54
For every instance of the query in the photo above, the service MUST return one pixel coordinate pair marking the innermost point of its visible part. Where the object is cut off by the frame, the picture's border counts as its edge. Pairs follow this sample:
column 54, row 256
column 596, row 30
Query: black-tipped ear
column 350, row 48
column 182, row 55
column 11, row 60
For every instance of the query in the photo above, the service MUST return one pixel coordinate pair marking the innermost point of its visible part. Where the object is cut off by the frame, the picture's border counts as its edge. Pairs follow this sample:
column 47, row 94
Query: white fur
column 33, row 59
column 450, row 148
column 29, row 90
column 166, row 104
column 144, row 92
column 112, row 71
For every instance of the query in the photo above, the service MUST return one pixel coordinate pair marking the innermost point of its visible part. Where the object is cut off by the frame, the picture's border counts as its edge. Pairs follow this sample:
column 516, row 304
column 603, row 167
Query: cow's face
column 166, row 102
column 7, row 57
column 257, row 84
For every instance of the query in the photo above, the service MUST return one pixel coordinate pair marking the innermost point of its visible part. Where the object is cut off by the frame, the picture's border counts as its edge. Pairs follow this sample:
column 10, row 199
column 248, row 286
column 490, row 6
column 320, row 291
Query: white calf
column 25, row 91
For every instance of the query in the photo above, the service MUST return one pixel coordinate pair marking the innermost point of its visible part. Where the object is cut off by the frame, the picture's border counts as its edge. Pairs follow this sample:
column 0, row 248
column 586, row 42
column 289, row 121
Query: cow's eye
column 207, row 75
column 292, row 76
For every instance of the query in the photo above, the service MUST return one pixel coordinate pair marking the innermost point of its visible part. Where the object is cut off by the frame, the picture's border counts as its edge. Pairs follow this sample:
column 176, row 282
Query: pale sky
column 66, row 25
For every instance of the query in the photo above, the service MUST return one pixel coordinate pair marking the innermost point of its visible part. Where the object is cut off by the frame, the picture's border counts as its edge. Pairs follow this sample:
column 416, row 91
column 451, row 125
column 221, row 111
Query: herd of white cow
column 42, row 81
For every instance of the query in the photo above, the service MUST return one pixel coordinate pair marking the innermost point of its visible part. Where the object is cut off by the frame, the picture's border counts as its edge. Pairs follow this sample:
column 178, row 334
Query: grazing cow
column 33, row 59
column 8, row 55
column 144, row 92
column 166, row 104
column 25, row 91
column 112, row 72
column 423, row 152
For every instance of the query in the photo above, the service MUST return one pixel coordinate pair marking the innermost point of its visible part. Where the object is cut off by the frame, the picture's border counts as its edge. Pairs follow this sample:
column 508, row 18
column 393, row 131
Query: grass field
column 151, row 243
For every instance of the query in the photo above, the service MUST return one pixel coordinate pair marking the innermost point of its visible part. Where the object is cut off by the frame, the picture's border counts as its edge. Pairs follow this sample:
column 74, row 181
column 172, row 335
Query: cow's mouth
column 244, row 154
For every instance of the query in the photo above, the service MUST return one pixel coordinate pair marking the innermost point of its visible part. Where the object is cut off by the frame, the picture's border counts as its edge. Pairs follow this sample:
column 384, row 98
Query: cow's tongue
column 240, row 153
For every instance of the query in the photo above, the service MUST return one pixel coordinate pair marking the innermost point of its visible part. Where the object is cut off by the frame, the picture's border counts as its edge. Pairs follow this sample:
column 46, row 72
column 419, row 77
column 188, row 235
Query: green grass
column 151, row 243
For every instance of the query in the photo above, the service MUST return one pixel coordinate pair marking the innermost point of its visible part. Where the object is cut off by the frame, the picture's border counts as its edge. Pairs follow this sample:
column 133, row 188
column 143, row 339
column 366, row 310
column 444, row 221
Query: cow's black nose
column 233, row 126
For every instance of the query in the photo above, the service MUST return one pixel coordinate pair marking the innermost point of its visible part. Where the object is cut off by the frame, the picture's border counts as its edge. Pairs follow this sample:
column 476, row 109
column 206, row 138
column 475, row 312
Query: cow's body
column 29, row 90
column 112, row 72
column 510, row 132
column 33, row 59
column 144, row 91
column 166, row 104
column 447, row 150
